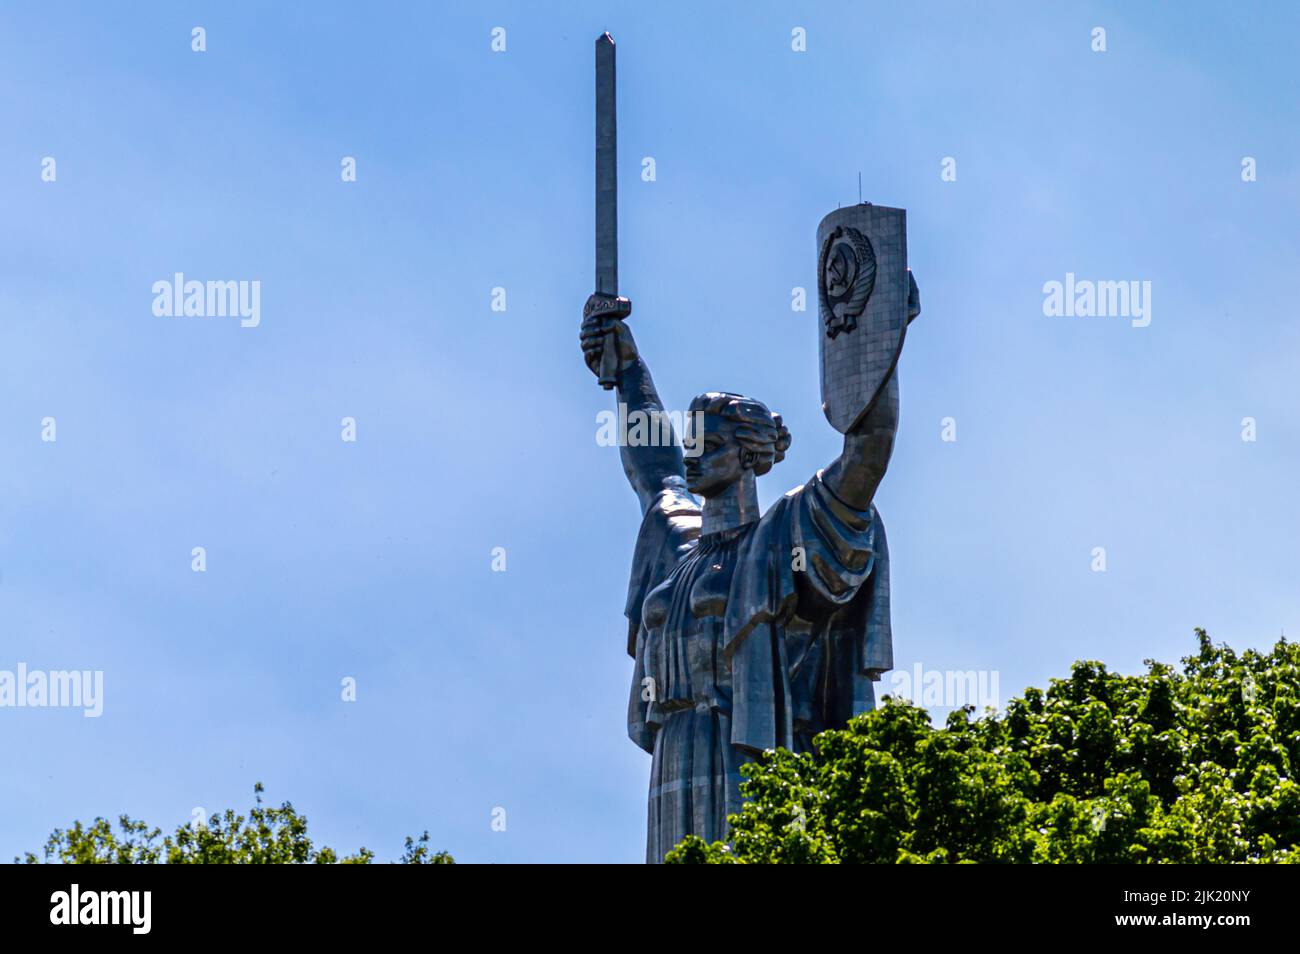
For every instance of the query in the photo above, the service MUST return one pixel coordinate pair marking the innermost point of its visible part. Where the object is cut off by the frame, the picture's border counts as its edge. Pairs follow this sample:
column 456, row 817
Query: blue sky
column 476, row 429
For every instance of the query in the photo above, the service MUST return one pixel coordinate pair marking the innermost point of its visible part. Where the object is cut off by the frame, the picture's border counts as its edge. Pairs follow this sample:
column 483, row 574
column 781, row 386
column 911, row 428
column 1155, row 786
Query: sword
column 607, row 301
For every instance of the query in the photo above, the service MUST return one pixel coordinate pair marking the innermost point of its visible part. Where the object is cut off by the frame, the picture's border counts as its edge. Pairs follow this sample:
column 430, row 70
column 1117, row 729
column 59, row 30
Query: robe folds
column 748, row 639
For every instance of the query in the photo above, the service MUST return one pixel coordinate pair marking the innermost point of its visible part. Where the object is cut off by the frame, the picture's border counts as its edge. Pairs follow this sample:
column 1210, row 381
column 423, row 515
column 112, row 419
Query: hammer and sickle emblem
column 847, row 276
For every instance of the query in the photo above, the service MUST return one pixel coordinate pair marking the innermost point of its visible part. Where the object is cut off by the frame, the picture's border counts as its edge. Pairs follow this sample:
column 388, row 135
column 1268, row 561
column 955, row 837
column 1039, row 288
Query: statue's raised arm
column 654, row 465
column 868, row 444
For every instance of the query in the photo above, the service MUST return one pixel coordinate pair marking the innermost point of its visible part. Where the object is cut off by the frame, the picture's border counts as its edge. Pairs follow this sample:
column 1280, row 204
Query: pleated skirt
column 694, row 780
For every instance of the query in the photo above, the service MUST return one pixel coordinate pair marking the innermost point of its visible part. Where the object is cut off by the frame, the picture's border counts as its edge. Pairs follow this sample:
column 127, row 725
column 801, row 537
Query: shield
column 862, row 293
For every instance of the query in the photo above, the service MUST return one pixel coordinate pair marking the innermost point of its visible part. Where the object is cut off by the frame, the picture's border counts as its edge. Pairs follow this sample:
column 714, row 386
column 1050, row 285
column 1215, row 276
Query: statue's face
column 720, row 464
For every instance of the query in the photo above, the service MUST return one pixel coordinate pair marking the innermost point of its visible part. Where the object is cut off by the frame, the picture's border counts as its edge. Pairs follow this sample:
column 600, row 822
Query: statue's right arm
column 648, row 467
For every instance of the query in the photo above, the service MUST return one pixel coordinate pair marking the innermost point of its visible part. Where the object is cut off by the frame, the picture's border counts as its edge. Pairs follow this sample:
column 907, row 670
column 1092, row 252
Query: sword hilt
column 609, row 363
column 608, row 306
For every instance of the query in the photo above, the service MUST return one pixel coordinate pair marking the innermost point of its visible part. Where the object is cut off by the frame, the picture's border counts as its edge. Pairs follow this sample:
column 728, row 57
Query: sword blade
column 606, row 169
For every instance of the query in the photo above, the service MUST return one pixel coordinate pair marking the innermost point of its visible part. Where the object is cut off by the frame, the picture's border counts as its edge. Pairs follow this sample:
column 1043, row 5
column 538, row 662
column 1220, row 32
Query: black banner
column 330, row 903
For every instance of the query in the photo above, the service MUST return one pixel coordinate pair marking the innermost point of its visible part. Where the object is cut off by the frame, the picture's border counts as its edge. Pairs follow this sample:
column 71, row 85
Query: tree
column 268, row 836
column 1192, row 766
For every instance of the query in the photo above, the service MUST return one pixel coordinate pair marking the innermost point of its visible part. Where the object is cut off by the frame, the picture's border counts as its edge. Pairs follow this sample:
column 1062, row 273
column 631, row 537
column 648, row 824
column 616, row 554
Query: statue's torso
column 683, row 616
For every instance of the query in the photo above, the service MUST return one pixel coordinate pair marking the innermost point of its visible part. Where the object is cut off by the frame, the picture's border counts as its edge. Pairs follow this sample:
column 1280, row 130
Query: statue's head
column 730, row 436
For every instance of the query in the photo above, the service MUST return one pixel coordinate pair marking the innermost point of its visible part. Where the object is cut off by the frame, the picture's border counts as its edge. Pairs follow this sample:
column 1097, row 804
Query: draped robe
column 748, row 639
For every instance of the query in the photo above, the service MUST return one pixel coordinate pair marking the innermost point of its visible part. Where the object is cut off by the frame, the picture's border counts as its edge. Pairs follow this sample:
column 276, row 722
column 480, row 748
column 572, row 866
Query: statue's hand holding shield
column 866, row 298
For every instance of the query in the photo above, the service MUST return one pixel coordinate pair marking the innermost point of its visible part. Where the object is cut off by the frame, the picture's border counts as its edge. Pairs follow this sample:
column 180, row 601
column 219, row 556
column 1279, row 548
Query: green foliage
column 1193, row 767
column 268, row 836
column 417, row 852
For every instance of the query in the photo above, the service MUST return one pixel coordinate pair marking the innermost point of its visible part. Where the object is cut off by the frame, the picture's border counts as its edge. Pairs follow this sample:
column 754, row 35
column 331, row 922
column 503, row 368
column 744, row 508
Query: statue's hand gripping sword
column 606, row 301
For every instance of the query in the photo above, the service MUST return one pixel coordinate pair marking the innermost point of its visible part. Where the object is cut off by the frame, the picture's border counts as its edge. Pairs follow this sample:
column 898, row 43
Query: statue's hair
column 758, row 431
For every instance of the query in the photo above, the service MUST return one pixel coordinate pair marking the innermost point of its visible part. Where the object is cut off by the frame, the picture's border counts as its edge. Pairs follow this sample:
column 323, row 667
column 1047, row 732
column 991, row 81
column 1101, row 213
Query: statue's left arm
column 857, row 472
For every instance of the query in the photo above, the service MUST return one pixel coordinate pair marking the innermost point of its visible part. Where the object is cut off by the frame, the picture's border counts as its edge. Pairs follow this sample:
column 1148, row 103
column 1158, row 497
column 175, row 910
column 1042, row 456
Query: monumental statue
column 749, row 630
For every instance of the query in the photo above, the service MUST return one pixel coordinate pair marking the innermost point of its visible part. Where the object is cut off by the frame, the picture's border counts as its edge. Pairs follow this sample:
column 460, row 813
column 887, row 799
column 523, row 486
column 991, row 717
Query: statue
column 748, row 630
